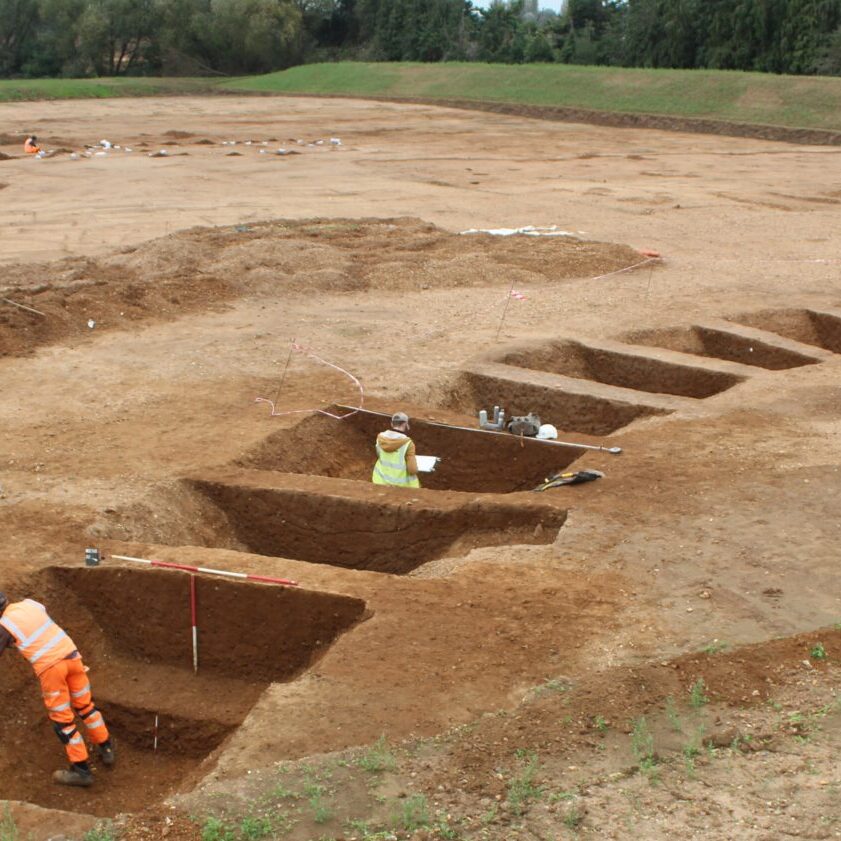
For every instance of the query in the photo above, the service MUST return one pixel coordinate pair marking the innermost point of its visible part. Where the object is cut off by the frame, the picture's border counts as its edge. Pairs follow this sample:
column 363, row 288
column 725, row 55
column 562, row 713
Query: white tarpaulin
column 527, row 231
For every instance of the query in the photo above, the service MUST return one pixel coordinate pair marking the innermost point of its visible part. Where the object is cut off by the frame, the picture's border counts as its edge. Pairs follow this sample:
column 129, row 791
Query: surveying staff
column 64, row 684
column 396, row 462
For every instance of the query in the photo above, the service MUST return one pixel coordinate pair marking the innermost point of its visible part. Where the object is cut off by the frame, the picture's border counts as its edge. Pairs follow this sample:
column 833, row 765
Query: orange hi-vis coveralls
column 63, row 675
column 31, row 148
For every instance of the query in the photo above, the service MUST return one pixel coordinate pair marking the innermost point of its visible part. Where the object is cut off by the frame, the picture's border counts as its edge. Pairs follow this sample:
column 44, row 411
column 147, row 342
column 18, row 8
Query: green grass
column 758, row 98
column 29, row 89
column 798, row 101
column 8, row 827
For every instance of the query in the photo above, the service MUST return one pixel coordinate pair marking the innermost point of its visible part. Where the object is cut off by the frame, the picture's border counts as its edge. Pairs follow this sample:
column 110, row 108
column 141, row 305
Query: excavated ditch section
column 573, row 359
column 133, row 630
column 393, row 536
column 720, row 344
column 811, row 328
column 470, row 460
column 569, row 411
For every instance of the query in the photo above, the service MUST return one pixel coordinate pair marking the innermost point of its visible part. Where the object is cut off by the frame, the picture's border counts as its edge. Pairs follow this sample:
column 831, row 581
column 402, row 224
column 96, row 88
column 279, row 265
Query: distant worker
column 65, row 686
column 396, row 462
column 31, row 146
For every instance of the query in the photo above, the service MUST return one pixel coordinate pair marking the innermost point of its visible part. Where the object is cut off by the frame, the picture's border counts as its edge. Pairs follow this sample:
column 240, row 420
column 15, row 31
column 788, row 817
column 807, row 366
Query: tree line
column 77, row 38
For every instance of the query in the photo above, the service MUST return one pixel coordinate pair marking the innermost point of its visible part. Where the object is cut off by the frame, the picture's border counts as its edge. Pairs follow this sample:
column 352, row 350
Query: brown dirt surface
column 647, row 655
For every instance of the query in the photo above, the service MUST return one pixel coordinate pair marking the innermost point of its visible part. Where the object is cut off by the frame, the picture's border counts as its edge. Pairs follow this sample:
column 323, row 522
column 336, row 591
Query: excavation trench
column 720, row 344
column 567, row 410
column 390, row 530
column 471, row 460
column 133, row 630
column 811, row 328
column 573, row 359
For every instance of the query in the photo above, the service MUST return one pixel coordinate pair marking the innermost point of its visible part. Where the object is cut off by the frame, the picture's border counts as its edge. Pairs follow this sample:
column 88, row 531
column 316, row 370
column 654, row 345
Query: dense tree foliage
column 119, row 37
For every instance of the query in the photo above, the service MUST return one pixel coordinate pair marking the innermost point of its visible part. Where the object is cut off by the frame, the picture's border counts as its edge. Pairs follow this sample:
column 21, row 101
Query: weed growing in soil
column 522, row 788
column 818, row 652
column 600, row 723
column 573, row 818
column 697, row 698
column 692, row 749
column 252, row 829
column 215, row 829
column 715, row 647
column 8, row 827
column 671, row 714
column 412, row 814
column 642, row 746
column 101, row 832
column 378, row 758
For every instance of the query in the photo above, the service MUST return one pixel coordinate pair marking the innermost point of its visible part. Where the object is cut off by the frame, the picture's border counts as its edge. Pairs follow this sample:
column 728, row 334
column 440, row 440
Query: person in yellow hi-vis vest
column 396, row 461
column 65, row 687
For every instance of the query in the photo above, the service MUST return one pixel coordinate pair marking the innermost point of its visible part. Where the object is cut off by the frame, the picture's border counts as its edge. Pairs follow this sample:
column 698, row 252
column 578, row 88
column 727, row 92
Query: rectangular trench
column 810, row 327
column 626, row 370
column 471, row 460
column 132, row 628
column 721, row 344
column 382, row 531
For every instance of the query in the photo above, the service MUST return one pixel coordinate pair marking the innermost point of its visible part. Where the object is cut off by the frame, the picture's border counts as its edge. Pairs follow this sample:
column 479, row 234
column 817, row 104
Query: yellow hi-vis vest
column 390, row 468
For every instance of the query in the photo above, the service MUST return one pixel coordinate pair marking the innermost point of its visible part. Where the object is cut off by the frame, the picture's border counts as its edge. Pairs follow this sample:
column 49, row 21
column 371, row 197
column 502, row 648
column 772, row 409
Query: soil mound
column 201, row 268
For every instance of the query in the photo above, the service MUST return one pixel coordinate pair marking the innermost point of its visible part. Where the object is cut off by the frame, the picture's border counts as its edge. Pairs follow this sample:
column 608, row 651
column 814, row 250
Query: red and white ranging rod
column 266, row 579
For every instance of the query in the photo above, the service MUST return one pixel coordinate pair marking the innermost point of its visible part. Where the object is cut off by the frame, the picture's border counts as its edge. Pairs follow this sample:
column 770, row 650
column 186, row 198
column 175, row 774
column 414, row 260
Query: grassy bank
column 756, row 98
column 796, row 101
column 19, row 90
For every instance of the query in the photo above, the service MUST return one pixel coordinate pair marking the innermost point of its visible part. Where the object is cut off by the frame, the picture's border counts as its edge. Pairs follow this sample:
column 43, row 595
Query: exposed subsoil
column 719, row 344
column 323, row 446
column 377, row 530
column 567, row 410
column 812, row 328
column 133, row 629
column 203, row 269
column 616, row 119
column 573, row 359
column 718, row 522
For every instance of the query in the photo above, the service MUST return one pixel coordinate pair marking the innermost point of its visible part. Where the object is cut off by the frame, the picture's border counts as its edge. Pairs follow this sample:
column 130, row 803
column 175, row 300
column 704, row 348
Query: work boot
column 75, row 775
column 106, row 753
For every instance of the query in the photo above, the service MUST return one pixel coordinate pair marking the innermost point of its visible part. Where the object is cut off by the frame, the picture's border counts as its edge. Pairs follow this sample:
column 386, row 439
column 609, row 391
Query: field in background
column 756, row 98
column 797, row 101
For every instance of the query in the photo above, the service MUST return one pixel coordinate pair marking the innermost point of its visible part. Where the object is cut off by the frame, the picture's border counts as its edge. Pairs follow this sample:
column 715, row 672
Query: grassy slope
column 800, row 101
column 29, row 89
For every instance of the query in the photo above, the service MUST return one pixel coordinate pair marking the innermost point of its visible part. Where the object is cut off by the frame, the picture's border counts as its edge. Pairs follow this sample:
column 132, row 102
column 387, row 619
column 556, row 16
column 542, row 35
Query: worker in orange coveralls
column 31, row 146
column 64, row 680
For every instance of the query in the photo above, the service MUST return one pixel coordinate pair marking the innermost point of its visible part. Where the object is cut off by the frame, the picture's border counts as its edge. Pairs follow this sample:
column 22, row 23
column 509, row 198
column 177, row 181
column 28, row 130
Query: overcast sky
column 554, row 5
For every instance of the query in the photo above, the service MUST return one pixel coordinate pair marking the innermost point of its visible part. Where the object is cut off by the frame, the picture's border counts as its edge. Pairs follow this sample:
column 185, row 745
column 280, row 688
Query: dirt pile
column 202, row 268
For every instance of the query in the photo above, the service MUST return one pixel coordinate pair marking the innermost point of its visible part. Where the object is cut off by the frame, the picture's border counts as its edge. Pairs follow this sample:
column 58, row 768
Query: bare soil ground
column 649, row 654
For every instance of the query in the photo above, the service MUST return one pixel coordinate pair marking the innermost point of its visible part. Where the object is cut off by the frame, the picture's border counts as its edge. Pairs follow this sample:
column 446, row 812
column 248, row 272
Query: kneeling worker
column 64, row 684
column 31, row 146
column 396, row 462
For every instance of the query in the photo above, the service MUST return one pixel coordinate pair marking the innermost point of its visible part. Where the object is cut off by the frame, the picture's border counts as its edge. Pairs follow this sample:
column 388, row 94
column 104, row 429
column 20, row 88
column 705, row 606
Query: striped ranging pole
column 265, row 579
column 193, row 623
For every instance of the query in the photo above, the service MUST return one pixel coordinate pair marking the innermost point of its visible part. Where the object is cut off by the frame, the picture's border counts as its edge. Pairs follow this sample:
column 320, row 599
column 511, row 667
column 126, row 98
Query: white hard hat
column 547, row 431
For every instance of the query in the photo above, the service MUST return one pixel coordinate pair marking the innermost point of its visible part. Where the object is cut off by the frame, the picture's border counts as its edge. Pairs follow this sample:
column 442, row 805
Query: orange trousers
column 67, row 693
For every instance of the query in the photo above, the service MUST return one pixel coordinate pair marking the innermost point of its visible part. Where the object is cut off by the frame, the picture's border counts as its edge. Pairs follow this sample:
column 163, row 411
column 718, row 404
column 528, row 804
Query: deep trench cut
column 721, row 344
column 393, row 536
column 811, row 328
column 574, row 359
column 568, row 411
column 471, row 460
column 133, row 630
